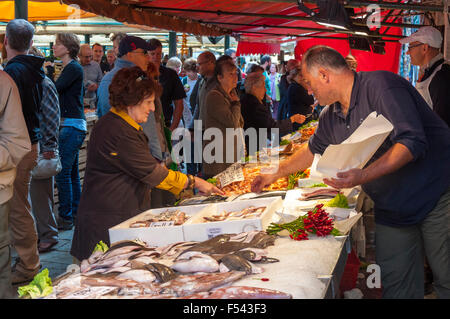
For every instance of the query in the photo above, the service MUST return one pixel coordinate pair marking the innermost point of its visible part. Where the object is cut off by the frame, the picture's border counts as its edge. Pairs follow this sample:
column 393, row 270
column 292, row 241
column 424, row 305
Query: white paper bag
column 355, row 151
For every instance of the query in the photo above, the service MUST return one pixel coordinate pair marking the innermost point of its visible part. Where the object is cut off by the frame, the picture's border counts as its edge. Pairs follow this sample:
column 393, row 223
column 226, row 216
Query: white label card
column 213, row 232
column 162, row 224
column 232, row 174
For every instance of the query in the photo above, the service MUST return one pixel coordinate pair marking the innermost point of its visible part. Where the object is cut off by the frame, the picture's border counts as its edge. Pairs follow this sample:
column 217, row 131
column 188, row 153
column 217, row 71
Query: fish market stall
column 253, row 264
column 291, row 241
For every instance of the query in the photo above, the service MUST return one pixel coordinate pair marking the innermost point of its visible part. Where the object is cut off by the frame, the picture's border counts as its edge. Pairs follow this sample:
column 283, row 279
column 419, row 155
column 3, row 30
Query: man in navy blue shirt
column 408, row 178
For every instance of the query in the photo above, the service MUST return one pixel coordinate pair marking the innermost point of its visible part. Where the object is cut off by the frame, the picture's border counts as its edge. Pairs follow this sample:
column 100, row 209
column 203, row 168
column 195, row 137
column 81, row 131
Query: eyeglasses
column 413, row 46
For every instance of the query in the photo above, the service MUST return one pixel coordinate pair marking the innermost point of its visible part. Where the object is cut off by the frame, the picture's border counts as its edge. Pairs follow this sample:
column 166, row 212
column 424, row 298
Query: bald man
column 92, row 75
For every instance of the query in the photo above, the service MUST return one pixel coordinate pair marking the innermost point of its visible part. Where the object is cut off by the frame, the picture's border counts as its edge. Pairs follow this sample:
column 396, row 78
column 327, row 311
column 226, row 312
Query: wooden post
column 21, row 9
column 87, row 38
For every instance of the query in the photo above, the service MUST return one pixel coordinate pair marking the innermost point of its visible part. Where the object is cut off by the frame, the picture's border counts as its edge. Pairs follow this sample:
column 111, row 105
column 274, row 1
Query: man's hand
column 262, row 181
column 348, row 179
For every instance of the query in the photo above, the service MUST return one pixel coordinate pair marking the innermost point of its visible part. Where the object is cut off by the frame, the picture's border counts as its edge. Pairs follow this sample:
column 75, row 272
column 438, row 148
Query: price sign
column 213, row 232
column 232, row 174
column 162, row 224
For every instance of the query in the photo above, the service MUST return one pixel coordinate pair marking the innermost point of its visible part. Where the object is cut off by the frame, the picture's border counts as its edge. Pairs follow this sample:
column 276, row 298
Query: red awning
column 246, row 48
column 248, row 20
column 367, row 61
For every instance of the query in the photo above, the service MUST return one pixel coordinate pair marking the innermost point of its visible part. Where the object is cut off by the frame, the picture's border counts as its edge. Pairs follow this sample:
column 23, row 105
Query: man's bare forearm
column 300, row 160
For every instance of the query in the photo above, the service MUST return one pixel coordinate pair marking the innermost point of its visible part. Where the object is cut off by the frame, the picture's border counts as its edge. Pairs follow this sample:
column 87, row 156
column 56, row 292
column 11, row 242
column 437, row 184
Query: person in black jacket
column 282, row 112
column 256, row 115
column 298, row 99
column 73, row 127
column 26, row 71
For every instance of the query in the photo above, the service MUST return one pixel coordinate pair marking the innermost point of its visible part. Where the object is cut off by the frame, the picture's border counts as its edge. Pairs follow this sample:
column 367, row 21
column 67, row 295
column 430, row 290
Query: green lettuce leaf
column 339, row 201
column 41, row 286
column 101, row 246
column 318, row 185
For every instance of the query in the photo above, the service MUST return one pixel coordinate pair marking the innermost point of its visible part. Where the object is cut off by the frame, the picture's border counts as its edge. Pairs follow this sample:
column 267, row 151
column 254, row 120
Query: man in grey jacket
column 14, row 144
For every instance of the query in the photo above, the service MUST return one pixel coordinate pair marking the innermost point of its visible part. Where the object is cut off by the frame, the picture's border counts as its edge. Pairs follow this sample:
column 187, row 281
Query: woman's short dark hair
column 223, row 66
column 264, row 59
column 71, row 42
column 130, row 86
column 154, row 44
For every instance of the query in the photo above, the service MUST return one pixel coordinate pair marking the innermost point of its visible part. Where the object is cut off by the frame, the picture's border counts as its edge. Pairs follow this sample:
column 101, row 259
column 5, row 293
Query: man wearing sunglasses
column 133, row 51
column 434, row 83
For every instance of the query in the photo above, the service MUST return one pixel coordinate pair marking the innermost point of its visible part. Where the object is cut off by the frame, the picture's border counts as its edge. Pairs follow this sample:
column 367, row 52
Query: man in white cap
column 434, row 83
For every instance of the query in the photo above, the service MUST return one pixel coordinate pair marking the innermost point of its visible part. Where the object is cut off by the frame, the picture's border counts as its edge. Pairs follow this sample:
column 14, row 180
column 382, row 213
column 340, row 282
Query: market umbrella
column 43, row 11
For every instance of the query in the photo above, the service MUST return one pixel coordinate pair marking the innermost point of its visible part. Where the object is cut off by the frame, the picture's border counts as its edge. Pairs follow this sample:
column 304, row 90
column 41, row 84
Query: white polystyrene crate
column 153, row 236
column 196, row 229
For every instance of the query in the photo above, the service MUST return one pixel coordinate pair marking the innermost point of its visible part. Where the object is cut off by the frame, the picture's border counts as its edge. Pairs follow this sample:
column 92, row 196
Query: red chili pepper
column 264, row 279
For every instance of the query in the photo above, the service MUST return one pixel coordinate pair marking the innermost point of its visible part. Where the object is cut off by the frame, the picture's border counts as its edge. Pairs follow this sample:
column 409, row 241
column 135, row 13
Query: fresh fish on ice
column 142, row 276
column 184, row 285
column 196, row 263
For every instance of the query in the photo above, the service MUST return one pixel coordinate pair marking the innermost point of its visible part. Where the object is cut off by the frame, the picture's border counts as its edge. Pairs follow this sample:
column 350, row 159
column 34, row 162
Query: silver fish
column 185, row 285
column 139, row 275
column 197, row 263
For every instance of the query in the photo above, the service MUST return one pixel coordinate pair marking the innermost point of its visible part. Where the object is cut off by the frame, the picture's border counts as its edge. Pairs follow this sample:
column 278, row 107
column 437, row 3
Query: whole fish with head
column 196, row 262
column 184, row 285
column 109, row 262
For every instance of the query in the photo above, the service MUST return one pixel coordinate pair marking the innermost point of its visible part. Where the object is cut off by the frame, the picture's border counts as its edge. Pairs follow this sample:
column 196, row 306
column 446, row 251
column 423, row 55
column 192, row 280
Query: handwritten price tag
column 162, row 224
column 232, row 174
